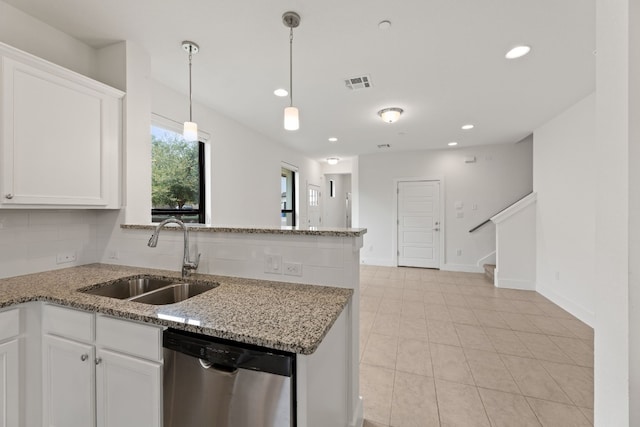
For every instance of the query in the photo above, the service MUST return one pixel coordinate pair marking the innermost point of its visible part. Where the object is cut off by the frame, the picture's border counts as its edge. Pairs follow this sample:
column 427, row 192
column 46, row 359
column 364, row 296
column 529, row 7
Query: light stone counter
column 291, row 231
column 284, row 316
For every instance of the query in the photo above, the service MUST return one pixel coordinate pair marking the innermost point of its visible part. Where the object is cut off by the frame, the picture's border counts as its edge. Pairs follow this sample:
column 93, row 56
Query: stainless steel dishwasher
column 218, row 383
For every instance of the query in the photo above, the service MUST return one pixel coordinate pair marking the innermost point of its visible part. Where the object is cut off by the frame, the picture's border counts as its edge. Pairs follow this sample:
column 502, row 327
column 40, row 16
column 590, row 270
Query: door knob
column 84, row 357
column 98, row 360
column 436, row 229
column 8, row 196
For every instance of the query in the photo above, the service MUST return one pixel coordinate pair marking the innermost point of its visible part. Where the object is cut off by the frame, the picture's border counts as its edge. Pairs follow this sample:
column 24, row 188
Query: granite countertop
column 305, row 231
column 284, row 316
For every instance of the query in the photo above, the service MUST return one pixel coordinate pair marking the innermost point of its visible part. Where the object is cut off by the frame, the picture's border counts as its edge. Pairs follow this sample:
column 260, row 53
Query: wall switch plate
column 292, row 268
column 459, row 252
column 65, row 257
column 459, row 214
column 272, row 264
column 114, row 255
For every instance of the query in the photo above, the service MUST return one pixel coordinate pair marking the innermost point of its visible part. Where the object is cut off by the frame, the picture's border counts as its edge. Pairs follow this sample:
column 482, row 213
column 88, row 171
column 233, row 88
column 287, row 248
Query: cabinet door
column 68, row 383
column 9, row 384
column 128, row 391
column 61, row 138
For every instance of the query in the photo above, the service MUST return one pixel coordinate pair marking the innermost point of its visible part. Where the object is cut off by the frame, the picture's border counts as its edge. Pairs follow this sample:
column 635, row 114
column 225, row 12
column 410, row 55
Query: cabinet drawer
column 67, row 322
column 129, row 337
column 9, row 324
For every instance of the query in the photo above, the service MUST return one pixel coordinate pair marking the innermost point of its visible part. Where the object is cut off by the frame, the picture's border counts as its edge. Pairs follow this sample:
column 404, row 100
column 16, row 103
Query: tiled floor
column 448, row 349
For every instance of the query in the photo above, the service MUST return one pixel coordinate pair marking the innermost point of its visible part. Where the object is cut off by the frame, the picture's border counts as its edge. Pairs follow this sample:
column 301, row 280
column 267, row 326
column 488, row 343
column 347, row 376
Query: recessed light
column 333, row 139
column 452, row 144
column 518, row 52
column 280, row 92
column 467, row 126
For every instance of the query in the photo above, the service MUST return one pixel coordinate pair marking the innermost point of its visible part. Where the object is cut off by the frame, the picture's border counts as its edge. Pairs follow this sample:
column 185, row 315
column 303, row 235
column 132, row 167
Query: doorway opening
column 288, row 197
column 337, row 207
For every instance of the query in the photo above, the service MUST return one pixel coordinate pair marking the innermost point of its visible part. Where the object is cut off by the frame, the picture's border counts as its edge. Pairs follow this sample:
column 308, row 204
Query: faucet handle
column 197, row 261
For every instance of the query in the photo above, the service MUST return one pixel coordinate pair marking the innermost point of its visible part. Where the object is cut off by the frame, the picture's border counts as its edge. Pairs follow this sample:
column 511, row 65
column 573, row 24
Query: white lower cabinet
column 9, row 383
column 68, row 383
column 99, row 382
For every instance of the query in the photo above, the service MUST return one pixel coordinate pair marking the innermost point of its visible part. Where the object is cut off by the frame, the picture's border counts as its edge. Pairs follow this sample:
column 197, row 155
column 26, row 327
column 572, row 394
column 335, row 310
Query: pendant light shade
column 190, row 132
column 291, row 118
column 291, row 121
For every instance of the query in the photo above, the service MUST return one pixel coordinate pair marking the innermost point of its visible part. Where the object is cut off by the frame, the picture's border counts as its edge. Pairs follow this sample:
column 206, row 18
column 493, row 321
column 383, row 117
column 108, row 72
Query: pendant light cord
column 291, row 66
column 190, row 93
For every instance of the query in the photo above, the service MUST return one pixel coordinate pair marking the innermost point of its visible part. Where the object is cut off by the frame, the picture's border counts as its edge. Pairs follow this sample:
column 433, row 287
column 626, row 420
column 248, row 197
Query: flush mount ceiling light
column 333, row 139
column 390, row 115
column 452, row 144
column 468, row 126
column 280, row 92
column 190, row 131
column 333, row 160
column 518, row 52
column 291, row 119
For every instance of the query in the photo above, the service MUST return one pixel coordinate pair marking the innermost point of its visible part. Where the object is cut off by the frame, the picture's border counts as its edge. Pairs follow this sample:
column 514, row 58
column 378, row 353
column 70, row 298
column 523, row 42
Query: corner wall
column 500, row 175
column 564, row 159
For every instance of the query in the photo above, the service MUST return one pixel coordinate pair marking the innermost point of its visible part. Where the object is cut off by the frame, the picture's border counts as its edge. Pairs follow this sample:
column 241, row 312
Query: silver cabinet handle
column 8, row 196
column 436, row 229
column 84, row 357
column 98, row 360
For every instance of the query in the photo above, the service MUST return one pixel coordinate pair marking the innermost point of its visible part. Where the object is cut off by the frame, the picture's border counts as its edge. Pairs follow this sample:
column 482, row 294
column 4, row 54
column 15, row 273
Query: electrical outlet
column 459, row 214
column 114, row 255
column 459, row 252
column 65, row 257
column 292, row 268
column 272, row 264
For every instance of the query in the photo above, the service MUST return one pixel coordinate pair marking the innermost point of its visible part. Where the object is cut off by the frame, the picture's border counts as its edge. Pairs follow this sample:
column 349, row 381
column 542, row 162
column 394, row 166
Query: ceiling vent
column 384, row 145
column 357, row 83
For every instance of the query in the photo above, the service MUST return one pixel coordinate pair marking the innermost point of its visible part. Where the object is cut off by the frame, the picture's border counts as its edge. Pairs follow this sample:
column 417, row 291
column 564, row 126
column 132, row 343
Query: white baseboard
column 358, row 415
column 381, row 262
column 462, row 268
column 524, row 285
column 577, row 310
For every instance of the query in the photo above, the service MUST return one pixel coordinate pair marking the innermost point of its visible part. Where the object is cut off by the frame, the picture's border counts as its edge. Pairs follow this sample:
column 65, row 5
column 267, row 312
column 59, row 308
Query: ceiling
column 442, row 61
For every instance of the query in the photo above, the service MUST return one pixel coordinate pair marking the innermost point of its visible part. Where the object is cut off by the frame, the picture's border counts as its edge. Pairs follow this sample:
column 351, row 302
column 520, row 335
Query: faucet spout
column 187, row 265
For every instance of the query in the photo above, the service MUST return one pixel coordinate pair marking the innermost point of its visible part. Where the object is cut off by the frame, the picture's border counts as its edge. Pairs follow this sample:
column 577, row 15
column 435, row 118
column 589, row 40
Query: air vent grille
column 358, row 82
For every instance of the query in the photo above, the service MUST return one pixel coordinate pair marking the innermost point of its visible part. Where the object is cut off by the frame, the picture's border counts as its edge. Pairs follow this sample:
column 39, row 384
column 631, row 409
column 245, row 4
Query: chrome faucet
column 187, row 265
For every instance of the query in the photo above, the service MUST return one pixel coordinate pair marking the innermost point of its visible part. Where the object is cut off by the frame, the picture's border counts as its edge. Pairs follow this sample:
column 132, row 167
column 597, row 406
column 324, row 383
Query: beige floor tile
column 490, row 319
column 369, row 423
column 376, row 388
column 434, row 298
column 450, row 363
column 390, row 306
column 412, row 327
column 437, row 312
column 517, row 294
column 369, row 303
column 533, row 380
column 393, row 293
column 489, row 371
column 526, row 307
column 482, row 303
column 449, row 288
column 366, row 320
column 473, row 337
column 579, row 329
column 506, row 341
column 373, row 291
column 550, row 309
column 463, row 315
column 442, row 332
column 414, row 401
column 576, row 349
column 415, row 295
column 518, row 322
column 550, row 326
column 507, row 410
column 588, row 413
column 553, row 414
column 411, row 308
column 414, row 356
column 386, row 324
column 415, row 284
column 381, row 350
column 460, row 405
column 543, row 348
column 455, row 300
column 576, row 381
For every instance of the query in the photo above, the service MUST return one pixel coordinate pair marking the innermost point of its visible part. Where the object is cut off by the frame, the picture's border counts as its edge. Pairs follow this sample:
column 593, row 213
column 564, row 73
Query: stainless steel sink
column 150, row 289
column 130, row 287
column 173, row 293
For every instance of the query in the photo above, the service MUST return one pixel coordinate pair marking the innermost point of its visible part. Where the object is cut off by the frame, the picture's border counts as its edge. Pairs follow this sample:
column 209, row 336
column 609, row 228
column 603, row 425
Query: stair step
column 489, row 271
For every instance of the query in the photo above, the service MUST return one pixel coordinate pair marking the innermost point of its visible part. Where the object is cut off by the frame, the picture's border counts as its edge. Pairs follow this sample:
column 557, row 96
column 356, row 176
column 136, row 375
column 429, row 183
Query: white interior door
column 419, row 224
column 313, row 206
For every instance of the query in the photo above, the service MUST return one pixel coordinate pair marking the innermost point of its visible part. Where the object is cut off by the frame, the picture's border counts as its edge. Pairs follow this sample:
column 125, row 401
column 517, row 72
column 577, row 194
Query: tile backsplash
column 31, row 241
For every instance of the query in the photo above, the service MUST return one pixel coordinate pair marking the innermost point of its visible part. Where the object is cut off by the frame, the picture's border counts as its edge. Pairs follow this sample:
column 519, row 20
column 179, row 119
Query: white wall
column 501, row 175
column 563, row 178
column 335, row 208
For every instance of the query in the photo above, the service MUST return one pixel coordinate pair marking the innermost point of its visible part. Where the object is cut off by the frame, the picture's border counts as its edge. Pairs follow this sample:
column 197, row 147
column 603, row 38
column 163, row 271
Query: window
column 177, row 177
column 288, row 200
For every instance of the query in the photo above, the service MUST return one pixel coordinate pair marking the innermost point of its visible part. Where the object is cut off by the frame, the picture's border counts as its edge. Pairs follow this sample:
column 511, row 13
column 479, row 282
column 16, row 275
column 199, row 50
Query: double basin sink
column 150, row 289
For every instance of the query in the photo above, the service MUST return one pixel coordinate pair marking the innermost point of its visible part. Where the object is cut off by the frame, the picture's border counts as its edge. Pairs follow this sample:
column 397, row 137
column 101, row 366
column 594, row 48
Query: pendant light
column 291, row 119
column 190, row 132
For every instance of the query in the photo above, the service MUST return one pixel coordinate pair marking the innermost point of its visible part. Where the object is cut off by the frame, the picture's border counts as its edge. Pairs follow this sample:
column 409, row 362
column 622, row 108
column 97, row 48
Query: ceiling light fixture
column 384, row 25
column 190, row 131
column 333, row 139
column 467, row 126
column 291, row 119
column 390, row 115
column 518, row 52
column 452, row 144
column 333, row 160
column 280, row 92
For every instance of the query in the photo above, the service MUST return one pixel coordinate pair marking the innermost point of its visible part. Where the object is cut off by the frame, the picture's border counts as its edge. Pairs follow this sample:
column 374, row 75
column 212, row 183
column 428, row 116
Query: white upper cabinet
column 60, row 137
